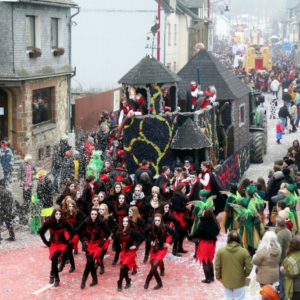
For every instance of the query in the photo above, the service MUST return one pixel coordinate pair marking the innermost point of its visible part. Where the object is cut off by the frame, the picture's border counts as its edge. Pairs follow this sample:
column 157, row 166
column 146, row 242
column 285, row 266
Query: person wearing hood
column 279, row 131
column 232, row 266
column 64, row 145
column 267, row 259
column 288, row 163
column 283, row 114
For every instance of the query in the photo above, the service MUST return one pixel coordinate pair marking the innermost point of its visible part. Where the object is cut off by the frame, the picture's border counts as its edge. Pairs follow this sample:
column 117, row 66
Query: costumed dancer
column 246, row 212
column 188, row 165
column 195, row 93
column 210, row 96
column 95, row 165
column 148, row 210
column 157, row 234
column 169, row 219
column 113, row 225
column 181, row 210
column 121, row 210
column 163, row 182
column 44, row 193
column 136, row 222
column 57, row 243
column 75, row 217
column 292, row 200
column 207, row 232
column 230, row 219
column 205, row 202
column 129, row 239
column 35, row 209
column 96, row 232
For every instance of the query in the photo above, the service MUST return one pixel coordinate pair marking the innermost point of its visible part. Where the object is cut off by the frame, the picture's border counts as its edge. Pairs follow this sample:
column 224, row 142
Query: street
column 25, row 266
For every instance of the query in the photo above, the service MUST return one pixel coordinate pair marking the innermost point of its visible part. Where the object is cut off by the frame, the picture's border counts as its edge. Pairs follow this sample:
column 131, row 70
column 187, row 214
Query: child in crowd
column 279, row 131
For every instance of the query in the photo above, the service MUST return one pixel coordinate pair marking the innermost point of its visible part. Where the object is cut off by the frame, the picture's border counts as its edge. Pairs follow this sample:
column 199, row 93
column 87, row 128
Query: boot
column 56, row 281
column 119, row 286
column 148, row 279
column 83, row 281
column 146, row 258
column 128, row 283
column 83, row 245
column 102, row 268
column 95, row 281
column 180, row 248
column 159, row 282
column 175, row 252
column 51, row 278
column 72, row 269
column 196, row 249
column 75, row 252
column 116, row 258
column 11, row 239
column 134, row 271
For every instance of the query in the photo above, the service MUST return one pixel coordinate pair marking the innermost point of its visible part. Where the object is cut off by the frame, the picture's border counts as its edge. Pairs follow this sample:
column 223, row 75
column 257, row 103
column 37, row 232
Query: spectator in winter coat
column 275, row 85
column 267, row 259
column 294, row 153
column 103, row 138
column 56, row 166
column 232, row 266
column 89, row 148
column 7, row 161
column 44, row 193
column 25, row 177
column 284, row 114
column 283, row 236
column 67, row 172
column 64, row 145
column 293, row 114
column 279, row 131
column 6, row 209
column 286, row 97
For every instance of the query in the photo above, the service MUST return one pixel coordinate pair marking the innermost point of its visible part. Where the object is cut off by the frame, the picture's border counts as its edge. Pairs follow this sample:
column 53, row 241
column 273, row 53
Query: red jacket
column 89, row 148
column 279, row 128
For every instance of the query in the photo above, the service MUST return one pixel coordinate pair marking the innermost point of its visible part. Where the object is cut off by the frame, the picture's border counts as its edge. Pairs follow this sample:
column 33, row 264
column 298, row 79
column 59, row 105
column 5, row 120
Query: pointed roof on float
column 149, row 70
column 189, row 136
column 212, row 72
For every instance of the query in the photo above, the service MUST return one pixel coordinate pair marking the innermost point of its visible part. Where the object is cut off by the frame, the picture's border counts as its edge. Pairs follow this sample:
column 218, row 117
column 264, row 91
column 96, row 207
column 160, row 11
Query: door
column 3, row 115
column 259, row 64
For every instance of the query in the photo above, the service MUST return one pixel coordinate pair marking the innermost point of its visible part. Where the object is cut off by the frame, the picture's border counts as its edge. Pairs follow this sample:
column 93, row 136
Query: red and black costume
column 186, row 169
column 158, row 252
column 163, row 183
column 207, row 233
column 195, row 190
column 89, row 191
column 181, row 213
column 57, row 245
column 113, row 198
column 96, row 233
column 127, row 256
column 138, row 173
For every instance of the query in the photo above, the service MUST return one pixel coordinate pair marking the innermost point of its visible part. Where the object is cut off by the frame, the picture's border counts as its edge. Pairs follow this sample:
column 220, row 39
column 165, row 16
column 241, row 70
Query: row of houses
column 49, row 47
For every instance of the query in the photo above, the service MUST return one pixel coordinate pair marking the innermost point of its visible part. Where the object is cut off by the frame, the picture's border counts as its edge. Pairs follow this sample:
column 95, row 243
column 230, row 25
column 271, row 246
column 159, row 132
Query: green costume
column 291, row 201
column 35, row 208
column 95, row 166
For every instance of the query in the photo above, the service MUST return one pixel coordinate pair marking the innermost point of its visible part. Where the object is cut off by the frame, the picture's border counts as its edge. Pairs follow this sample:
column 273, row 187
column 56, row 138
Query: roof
column 166, row 6
column 189, row 136
column 184, row 9
column 63, row 2
column 193, row 3
column 149, row 70
column 212, row 72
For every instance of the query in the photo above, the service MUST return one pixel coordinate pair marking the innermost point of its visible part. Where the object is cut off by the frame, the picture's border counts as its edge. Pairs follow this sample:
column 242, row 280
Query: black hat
column 286, row 172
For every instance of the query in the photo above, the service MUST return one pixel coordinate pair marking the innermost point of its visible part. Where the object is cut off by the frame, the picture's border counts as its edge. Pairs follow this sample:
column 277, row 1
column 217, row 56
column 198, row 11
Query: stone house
column 35, row 73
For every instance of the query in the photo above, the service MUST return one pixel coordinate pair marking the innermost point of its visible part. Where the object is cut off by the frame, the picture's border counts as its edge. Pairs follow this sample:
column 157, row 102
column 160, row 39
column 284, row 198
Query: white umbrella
column 273, row 38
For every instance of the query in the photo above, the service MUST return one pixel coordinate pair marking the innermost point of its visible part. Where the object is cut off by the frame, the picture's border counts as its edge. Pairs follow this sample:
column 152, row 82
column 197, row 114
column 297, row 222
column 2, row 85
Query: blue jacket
column 7, row 159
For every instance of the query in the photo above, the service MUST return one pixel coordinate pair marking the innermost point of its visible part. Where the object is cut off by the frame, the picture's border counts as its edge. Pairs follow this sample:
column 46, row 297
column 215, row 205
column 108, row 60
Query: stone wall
column 14, row 58
column 29, row 138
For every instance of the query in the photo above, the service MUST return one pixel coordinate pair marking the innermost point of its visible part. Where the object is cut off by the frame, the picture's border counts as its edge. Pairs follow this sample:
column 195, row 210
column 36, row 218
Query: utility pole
column 158, row 33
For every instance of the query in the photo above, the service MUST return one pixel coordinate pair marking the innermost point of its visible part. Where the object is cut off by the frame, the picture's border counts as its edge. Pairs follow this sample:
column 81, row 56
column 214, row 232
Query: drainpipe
column 70, row 76
column 13, row 36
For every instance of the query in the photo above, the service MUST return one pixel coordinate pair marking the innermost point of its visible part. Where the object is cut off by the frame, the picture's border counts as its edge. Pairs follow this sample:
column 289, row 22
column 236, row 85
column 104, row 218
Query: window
column 42, row 103
column 175, row 33
column 48, row 151
column 169, row 65
column 54, row 33
column 30, row 32
column 169, row 34
column 242, row 115
column 174, row 66
column 41, row 153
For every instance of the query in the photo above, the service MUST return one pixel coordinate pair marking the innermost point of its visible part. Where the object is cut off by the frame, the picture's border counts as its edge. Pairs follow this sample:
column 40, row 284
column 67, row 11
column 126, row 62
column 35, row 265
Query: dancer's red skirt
column 127, row 257
column 206, row 251
column 56, row 247
column 74, row 241
column 94, row 249
column 159, row 255
column 179, row 216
